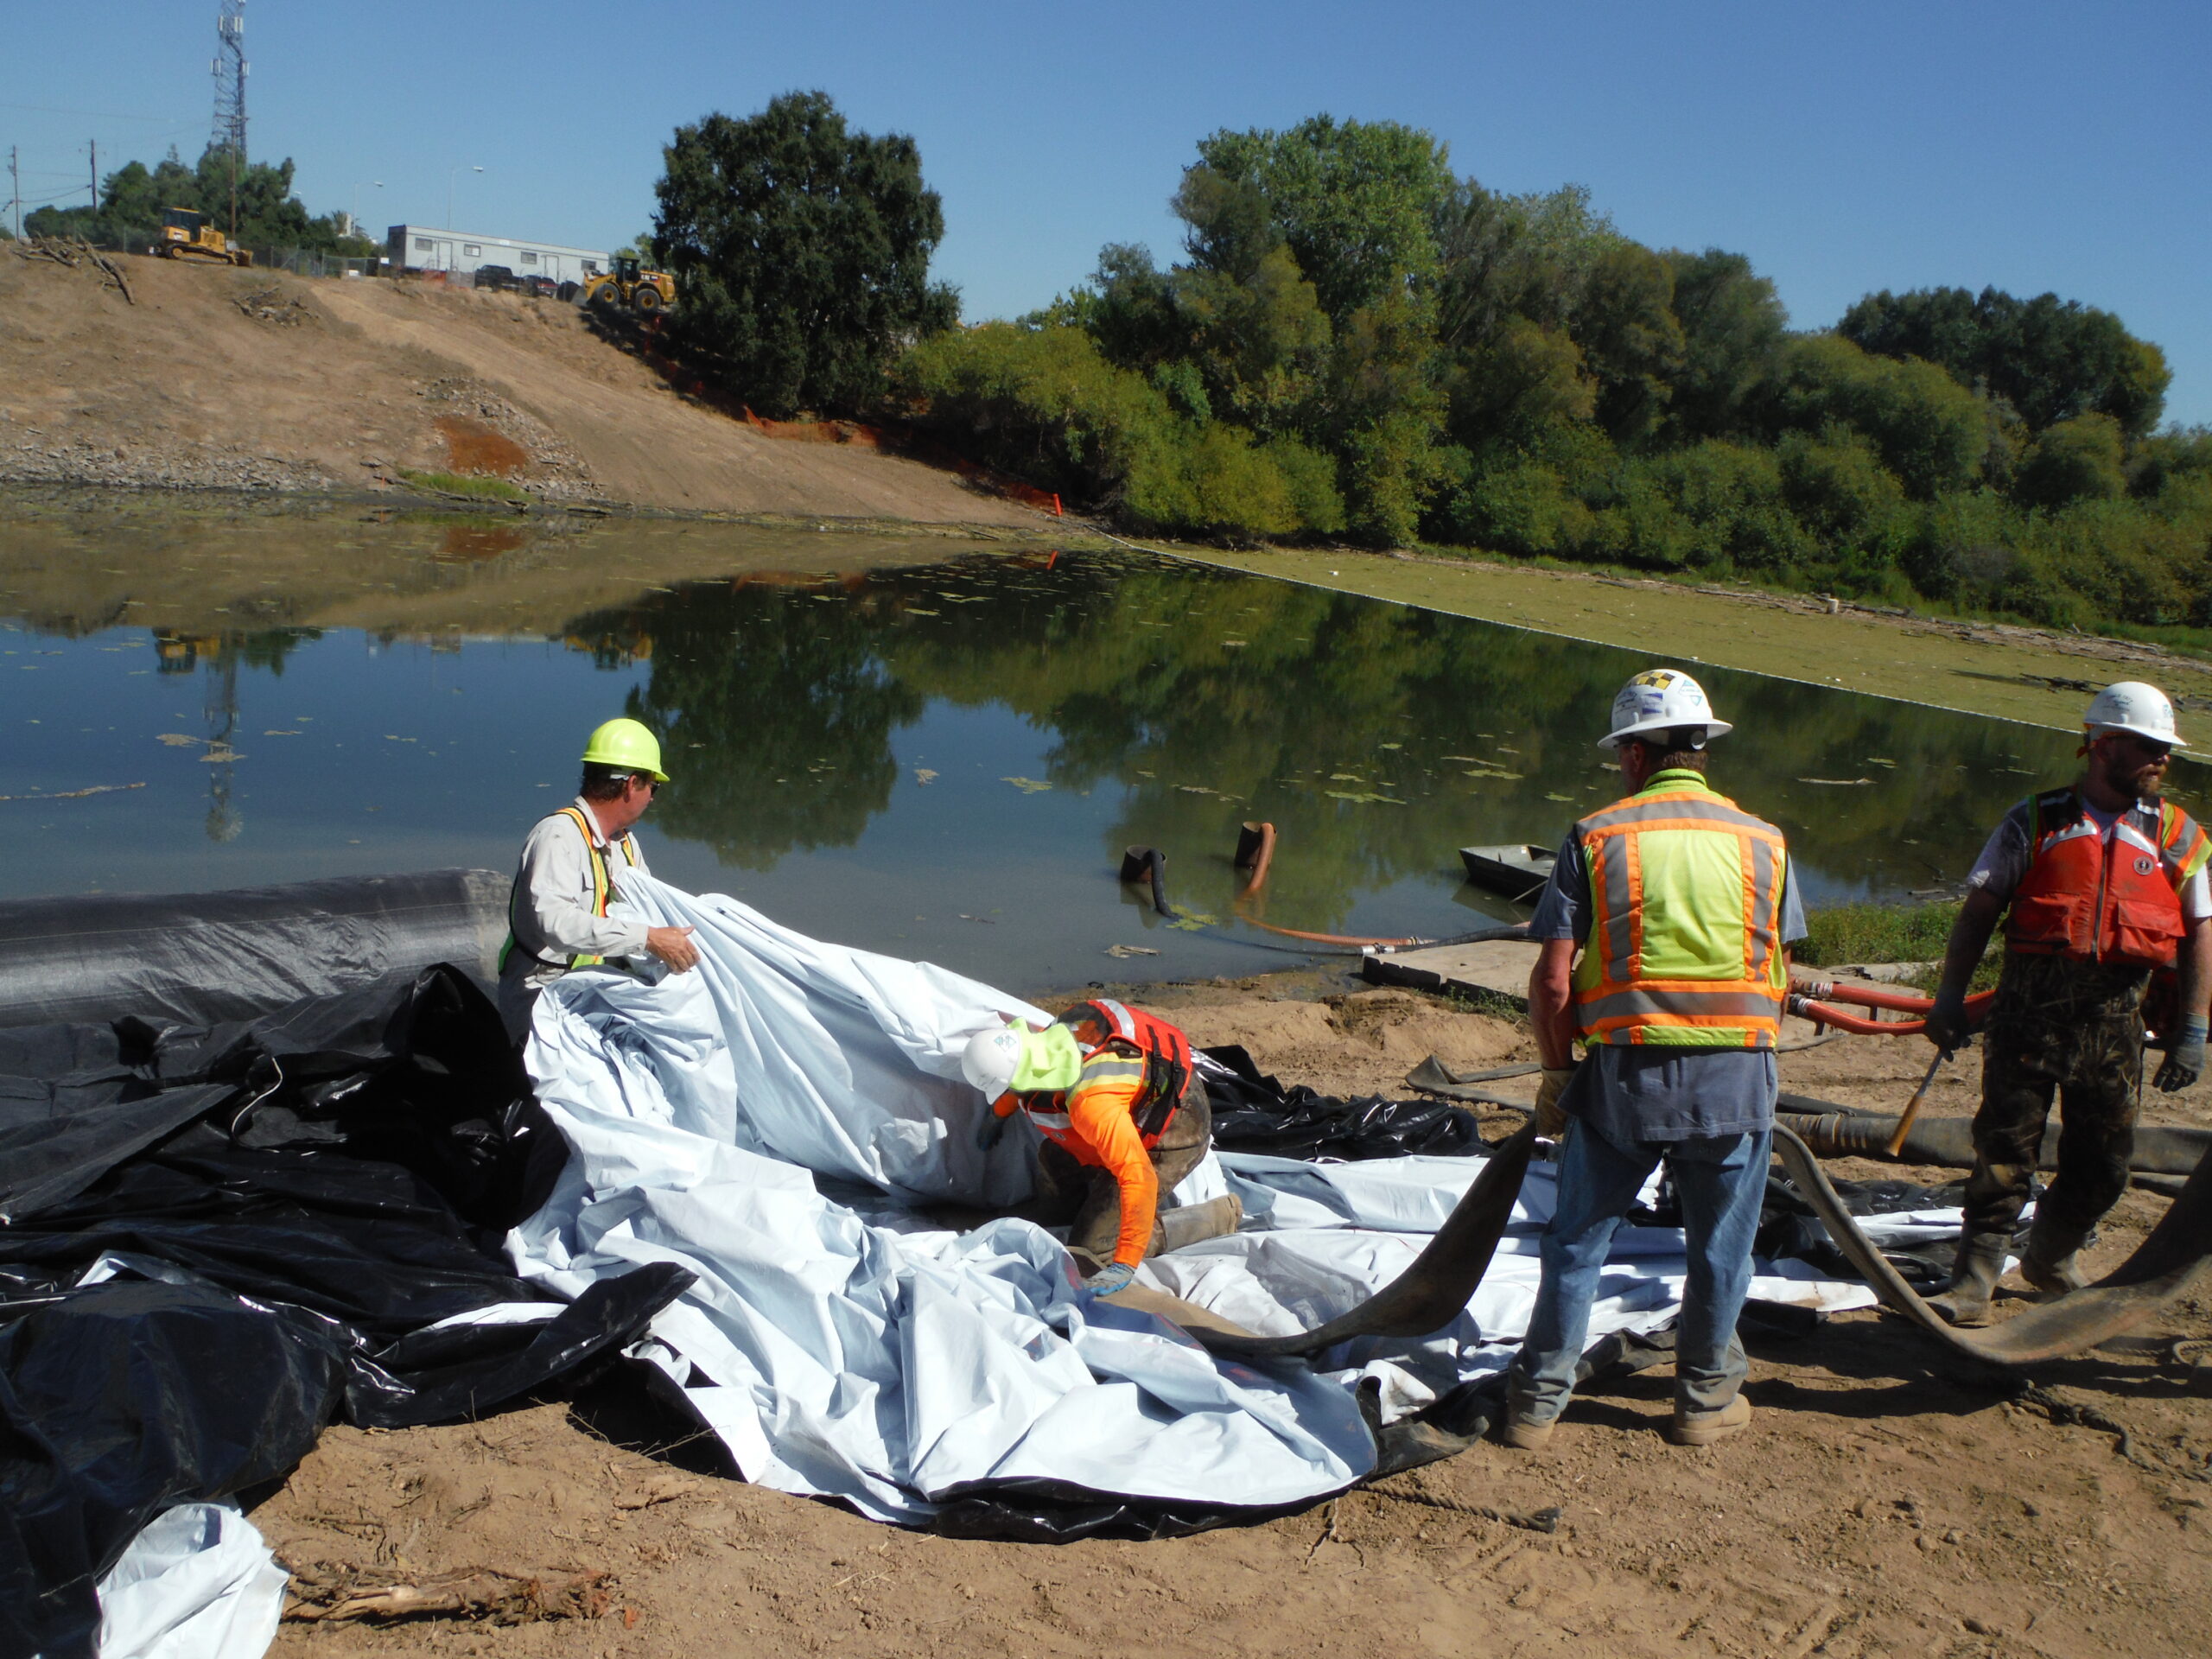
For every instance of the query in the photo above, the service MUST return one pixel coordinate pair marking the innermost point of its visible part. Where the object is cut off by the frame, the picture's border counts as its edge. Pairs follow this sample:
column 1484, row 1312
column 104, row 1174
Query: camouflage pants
column 1089, row 1200
column 2073, row 1029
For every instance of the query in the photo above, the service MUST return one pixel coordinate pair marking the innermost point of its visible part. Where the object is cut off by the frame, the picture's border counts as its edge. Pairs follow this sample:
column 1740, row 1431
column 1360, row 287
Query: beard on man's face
column 2128, row 772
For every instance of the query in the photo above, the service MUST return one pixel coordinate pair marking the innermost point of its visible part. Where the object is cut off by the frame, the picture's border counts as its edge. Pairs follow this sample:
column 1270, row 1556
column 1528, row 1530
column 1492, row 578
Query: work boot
column 1692, row 1427
column 1191, row 1223
column 1526, row 1433
column 2052, row 1262
column 1974, row 1273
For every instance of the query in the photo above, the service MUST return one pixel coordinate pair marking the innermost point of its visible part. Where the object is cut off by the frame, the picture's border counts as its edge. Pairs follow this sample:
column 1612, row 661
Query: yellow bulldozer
column 188, row 235
column 630, row 285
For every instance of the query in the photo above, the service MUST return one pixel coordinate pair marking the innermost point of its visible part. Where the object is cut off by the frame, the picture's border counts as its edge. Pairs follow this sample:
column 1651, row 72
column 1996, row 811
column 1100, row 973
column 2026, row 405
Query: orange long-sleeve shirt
column 1093, row 1122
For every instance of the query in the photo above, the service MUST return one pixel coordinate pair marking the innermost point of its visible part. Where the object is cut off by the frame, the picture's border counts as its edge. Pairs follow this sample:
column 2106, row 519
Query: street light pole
column 451, row 174
column 354, row 218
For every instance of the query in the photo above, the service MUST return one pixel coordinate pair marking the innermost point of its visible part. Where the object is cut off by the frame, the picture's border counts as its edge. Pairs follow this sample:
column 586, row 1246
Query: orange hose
column 1260, row 858
column 1328, row 938
column 1826, row 1014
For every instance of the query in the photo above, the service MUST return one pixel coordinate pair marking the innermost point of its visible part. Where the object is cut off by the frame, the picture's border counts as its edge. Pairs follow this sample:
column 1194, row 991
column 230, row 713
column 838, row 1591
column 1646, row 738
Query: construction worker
column 1664, row 930
column 1124, row 1114
column 571, row 870
column 2100, row 884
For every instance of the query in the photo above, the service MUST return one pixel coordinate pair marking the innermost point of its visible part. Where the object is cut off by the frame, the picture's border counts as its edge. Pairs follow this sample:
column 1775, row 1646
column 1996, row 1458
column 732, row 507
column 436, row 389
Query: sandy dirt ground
column 1878, row 1505
column 223, row 378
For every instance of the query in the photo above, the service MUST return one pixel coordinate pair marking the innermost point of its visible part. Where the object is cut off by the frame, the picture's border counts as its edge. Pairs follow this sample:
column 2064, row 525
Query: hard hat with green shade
column 627, row 744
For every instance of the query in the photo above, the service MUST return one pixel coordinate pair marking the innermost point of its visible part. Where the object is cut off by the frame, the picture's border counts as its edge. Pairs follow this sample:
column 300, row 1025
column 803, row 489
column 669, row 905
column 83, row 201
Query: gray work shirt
column 1631, row 1093
column 553, row 914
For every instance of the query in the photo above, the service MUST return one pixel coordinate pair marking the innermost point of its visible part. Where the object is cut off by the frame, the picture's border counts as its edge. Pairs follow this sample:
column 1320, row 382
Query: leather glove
column 1111, row 1278
column 1946, row 1020
column 1551, row 1122
column 2184, row 1061
column 988, row 1131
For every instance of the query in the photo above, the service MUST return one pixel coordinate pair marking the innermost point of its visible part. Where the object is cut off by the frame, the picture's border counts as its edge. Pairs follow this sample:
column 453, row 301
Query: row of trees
column 132, row 197
column 1359, row 342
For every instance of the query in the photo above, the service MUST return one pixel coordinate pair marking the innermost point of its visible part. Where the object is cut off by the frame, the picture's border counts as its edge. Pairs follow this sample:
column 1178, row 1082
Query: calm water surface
column 939, row 757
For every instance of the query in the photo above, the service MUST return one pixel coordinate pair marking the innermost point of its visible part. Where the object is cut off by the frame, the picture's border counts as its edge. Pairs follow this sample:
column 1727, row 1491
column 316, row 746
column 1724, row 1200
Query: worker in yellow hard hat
column 571, row 870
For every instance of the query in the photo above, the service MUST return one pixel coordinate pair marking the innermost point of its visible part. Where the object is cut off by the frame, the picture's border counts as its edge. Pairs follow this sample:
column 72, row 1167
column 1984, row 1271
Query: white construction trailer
column 417, row 247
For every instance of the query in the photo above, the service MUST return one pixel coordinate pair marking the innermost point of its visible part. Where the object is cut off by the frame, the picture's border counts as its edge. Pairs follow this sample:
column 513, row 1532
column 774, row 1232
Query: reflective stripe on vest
column 1685, row 934
column 2104, row 898
column 1050, row 1112
column 602, row 889
column 1162, row 1059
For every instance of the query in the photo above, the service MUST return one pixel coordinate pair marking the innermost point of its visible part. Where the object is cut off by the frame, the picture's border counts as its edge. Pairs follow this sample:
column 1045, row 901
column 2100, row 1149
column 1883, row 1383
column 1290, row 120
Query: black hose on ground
column 1834, row 1130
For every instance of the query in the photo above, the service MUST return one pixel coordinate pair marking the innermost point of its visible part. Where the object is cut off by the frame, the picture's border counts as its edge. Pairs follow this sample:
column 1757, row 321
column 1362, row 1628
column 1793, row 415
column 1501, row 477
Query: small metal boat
column 1518, row 871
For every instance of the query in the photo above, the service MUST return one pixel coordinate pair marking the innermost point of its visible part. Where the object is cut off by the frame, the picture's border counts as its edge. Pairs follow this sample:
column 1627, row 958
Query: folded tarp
column 198, row 959
column 178, row 1320
column 778, row 1124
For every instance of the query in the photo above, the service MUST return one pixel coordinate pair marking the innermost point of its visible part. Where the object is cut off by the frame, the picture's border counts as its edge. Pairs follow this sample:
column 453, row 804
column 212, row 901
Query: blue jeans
column 1722, row 1181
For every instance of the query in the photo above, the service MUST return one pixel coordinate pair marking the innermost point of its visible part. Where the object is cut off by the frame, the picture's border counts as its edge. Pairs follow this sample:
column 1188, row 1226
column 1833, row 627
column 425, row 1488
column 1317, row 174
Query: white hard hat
column 1661, row 700
column 991, row 1059
column 2131, row 706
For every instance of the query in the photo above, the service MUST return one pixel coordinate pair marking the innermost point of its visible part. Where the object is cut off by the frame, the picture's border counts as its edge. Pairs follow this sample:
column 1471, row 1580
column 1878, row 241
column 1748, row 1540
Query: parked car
column 542, row 287
column 495, row 277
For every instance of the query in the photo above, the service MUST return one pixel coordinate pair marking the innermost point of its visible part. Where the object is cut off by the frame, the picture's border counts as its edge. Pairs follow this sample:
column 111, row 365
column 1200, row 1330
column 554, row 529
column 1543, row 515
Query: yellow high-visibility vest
column 1684, row 947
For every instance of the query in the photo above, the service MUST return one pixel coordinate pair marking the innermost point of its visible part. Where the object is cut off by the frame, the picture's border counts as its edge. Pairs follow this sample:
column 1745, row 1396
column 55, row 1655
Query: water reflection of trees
column 775, row 710
column 1205, row 697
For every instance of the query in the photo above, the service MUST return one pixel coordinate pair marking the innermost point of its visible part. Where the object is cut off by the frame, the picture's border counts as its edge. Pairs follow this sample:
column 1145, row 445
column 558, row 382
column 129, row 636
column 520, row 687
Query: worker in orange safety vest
column 2102, row 888
column 1123, row 1113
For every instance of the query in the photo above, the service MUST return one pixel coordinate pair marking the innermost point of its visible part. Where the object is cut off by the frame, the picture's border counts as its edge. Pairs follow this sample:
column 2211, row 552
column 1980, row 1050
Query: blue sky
column 1844, row 148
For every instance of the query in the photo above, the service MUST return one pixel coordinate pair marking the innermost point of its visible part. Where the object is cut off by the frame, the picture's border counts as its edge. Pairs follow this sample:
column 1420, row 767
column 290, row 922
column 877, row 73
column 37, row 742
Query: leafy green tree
column 2051, row 358
column 2079, row 460
column 269, row 215
column 1356, row 201
column 1929, row 430
column 801, row 250
column 1632, row 345
column 1732, row 325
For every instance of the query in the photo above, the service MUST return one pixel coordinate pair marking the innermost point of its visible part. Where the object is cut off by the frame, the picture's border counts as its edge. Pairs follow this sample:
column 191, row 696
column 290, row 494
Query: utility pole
column 94, row 145
column 15, row 191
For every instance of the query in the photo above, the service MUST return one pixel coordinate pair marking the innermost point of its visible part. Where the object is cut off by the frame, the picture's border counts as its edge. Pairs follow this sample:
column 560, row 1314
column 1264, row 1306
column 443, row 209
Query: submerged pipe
column 1148, row 864
column 1255, row 850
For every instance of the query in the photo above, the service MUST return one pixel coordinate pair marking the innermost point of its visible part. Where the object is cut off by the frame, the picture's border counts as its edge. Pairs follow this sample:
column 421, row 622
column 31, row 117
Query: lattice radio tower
column 230, row 81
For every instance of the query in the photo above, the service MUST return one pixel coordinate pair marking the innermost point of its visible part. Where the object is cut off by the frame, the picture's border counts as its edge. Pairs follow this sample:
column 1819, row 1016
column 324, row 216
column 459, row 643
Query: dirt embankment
column 228, row 379
column 1877, row 1505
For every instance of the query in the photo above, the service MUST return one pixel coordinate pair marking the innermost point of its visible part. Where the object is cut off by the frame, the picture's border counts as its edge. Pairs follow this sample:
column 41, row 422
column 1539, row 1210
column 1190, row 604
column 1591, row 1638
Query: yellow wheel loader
column 631, row 285
column 188, row 235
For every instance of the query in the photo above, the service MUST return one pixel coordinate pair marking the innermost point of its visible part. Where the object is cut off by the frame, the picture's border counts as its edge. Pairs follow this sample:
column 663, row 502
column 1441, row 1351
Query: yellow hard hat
column 627, row 744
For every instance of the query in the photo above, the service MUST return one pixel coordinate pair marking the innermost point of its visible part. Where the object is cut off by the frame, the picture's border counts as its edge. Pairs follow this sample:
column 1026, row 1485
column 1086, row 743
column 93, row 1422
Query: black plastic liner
column 339, row 1183
column 1255, row 1113
column 201, row 958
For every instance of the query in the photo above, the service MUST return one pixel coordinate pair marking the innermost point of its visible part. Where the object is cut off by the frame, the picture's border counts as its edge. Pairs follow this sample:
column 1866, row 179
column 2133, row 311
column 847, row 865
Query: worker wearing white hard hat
column 571, row 871
column 2102, row 889
column 1678, row 1010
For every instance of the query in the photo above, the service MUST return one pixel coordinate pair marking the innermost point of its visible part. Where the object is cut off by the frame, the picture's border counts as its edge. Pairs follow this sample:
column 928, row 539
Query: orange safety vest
column 2100, row 899
column 1684, row 947
column 1120, row 1045
column 603, row 888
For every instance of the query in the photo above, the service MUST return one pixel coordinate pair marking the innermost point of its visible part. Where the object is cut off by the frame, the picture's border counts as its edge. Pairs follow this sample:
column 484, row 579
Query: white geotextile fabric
column 774, row 1120
column 196, row 1583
